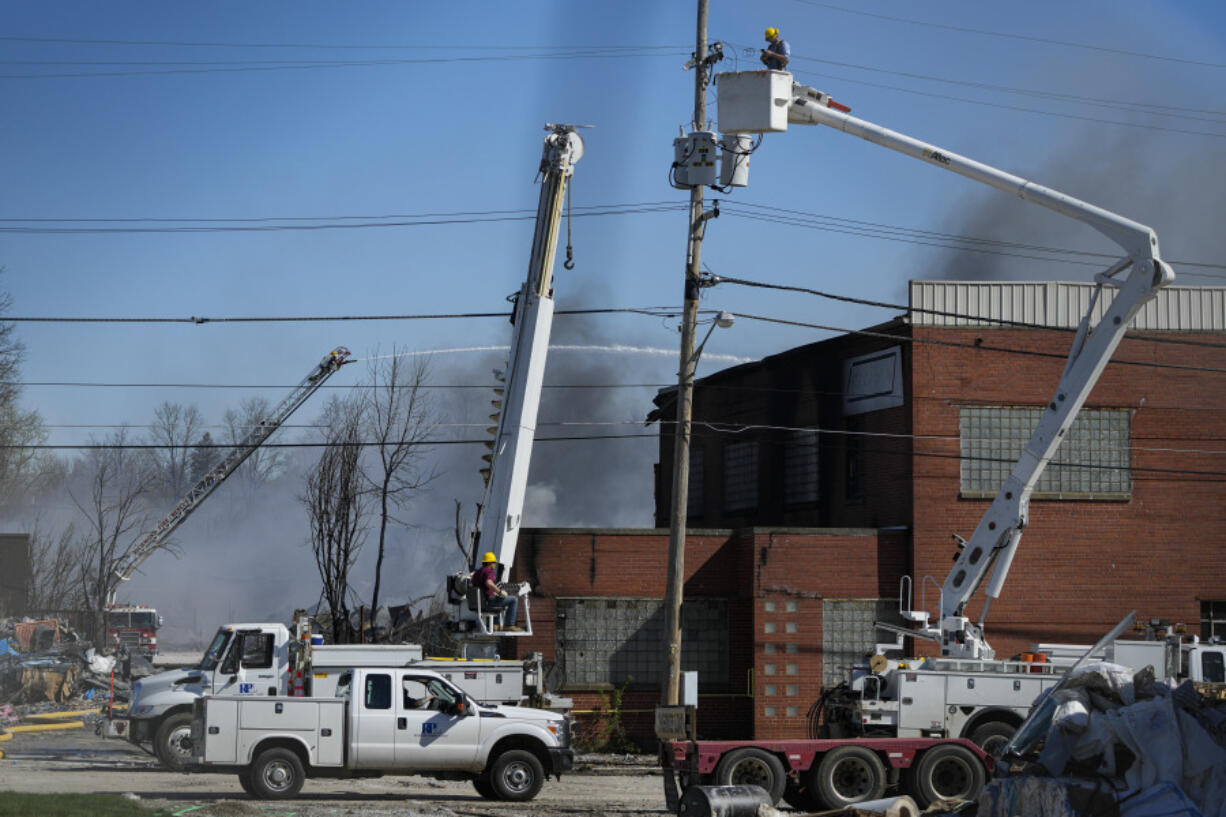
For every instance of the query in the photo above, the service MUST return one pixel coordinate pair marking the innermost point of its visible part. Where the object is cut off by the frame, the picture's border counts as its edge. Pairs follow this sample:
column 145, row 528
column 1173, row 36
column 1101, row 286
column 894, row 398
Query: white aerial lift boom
column 519, row 398
column 765, row 102
column 254, row 438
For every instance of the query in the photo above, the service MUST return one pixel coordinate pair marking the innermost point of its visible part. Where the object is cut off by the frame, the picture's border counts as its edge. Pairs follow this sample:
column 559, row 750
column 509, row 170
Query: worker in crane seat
column 495, row 599
column 776, row 55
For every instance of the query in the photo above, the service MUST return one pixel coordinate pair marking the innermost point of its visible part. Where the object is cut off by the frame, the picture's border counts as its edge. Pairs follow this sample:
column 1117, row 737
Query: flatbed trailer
column 829, row 773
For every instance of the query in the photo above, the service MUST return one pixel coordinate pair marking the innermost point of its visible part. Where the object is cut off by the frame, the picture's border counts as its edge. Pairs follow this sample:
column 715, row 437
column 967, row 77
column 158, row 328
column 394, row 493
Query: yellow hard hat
column 488, row 557
column 772, row 33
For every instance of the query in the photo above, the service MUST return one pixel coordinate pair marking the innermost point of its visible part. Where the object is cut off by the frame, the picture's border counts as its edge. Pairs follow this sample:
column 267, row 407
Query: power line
column 650, row 311
column 1013, row 35
column 336, row 46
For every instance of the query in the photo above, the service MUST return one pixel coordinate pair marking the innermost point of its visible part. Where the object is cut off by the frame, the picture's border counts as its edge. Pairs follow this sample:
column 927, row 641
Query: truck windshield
column 146, row 621
column 213, row 654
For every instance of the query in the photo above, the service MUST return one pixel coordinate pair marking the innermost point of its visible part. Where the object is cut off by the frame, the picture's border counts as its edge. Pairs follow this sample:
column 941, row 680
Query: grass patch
column 13, row 804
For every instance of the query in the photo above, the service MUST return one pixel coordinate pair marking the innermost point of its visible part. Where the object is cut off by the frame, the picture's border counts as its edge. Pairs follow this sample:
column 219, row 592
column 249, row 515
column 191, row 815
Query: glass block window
column 768, row 606
column 800, row 467
column 790, row 627
column 790, row 607
column 1091, row 463
column 768, row 669
column 792, row 711
column 792, row 648
column 693, row 494
column 769, row 627
column 848, row 633
column 770, row 689
column 741, row 475
column 769, row 649
column 793, row 689
column 604, row 642
column 770, row 711
column 1213, row 619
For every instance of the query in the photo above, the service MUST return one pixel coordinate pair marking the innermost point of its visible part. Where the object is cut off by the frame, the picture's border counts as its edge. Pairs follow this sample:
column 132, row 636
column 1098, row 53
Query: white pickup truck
column 401, row 721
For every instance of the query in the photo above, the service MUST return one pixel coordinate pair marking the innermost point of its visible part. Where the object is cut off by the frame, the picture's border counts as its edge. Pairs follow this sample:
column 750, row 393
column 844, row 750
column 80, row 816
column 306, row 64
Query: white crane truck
column 965, row 693
column 380, row 721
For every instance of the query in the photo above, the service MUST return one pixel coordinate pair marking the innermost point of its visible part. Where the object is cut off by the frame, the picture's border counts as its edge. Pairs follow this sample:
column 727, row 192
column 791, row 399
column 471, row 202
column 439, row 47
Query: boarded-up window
column 800, row 467
column 1091, row 463
column 848, row 633
column 741, row 475
column 607, row 641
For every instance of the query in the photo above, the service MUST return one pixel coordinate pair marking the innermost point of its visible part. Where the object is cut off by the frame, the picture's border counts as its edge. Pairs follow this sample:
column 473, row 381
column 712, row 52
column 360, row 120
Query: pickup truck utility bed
column 382, row 721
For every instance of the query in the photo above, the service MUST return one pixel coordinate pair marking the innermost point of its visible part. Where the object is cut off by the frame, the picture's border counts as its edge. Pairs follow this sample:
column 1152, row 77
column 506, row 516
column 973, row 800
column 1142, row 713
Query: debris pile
column 1110, row 741
column 45, row 661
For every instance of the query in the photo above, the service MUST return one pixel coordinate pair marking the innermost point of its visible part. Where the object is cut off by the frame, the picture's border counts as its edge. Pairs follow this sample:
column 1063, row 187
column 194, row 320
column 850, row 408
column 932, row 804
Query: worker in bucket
column 776, row 55
column 495, row 598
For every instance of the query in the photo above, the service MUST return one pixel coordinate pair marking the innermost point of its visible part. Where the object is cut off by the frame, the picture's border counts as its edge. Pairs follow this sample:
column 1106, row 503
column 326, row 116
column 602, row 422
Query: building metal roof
column 1060, row 304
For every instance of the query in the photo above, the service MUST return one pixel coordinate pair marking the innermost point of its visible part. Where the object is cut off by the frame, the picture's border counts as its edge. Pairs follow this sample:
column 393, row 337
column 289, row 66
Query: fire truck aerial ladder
column 767, row 101
column 518, row 400
column 255, row 437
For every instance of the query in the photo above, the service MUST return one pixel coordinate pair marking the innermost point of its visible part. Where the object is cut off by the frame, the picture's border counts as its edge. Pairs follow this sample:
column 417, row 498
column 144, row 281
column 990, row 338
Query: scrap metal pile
column 45, row 661
column 1111, row 741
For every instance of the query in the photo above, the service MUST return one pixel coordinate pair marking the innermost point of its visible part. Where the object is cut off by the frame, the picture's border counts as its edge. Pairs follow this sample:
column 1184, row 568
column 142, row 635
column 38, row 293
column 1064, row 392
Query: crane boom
column 1136, row 279
column 502, row 505
column 254, row 438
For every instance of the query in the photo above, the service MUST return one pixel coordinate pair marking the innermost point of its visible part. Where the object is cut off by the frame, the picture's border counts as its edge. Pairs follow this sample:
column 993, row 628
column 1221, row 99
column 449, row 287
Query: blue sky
column 455, row 126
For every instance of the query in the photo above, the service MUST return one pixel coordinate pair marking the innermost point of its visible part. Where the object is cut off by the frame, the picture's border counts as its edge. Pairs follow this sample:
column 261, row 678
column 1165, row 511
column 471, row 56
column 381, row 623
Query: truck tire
column 946, row 772
column 244, row 780
column 752, row 767
column 276, row 774
column 847, row 775
column 991, row 736
column 517, row 775
column 172, row 741
column 484, row 788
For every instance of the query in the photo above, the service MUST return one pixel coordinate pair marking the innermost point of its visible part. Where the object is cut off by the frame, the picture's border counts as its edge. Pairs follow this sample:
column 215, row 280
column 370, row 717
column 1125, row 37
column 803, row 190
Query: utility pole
column 685, row 388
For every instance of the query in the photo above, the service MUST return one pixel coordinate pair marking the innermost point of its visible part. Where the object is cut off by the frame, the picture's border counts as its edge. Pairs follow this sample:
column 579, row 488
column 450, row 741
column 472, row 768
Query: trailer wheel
column 516, row 775
column 276, row 774
column 484, row 788
column 946, row 772
column 173, row 741
column 753, row 767
column 991, row 736
column 847, row 775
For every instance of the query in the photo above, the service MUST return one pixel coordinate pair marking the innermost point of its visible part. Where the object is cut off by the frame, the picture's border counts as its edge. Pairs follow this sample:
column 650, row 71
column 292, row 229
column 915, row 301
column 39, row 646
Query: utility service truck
column 262, row 660
column 380, row 721
column 869, row 725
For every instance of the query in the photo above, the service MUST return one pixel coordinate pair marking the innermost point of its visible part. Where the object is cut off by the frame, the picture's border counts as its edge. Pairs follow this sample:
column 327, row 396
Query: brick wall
column 1082, row 565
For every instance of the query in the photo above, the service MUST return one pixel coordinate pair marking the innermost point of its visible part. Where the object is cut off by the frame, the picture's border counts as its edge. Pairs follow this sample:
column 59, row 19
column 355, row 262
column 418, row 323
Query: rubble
column 1108, row 740
column 45, row 661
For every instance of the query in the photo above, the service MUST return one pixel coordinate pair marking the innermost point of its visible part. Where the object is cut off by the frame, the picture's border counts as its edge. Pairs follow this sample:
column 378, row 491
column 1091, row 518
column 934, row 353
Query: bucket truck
column 506, row 478
column 965, row 693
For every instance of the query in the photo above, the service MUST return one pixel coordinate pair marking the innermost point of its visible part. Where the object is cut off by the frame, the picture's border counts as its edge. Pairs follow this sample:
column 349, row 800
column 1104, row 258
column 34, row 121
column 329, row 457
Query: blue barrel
column 723, row 801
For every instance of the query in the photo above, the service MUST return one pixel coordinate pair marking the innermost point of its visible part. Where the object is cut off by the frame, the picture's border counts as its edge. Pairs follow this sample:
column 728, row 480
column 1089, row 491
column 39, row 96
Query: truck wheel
column 482, row 784
column 244, row 780
column 847, row 775
column 516, row 775
column 992, row 736
column 276, row 774
column 173, row 741
column 753, row 767
column 946, row 772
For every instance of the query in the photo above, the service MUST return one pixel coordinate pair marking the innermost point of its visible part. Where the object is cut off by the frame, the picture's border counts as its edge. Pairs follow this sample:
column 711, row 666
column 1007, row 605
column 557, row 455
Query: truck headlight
column 141, row 710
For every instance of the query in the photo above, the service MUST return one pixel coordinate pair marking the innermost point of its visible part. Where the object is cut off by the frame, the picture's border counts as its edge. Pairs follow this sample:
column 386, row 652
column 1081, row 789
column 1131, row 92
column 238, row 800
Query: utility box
column 694, row 158
column 734, row 150
column 754, row 101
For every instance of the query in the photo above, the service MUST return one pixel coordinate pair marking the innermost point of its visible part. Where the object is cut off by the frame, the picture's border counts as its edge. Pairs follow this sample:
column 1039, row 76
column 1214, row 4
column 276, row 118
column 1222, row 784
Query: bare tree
column 19, row 430
column 174, row 429
column 265, row 463
column 55, row 562
column 112, row 504
column 397, row 417
column 335, row 501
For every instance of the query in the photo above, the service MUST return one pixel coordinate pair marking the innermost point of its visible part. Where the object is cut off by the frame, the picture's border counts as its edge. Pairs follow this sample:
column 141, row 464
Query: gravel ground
column 79, row 762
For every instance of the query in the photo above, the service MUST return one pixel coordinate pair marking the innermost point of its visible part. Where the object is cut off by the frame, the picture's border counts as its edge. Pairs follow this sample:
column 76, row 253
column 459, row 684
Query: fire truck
column 133, row 627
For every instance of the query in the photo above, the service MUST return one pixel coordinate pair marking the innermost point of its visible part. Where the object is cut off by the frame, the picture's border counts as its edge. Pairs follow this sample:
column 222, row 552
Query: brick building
column 821, row 475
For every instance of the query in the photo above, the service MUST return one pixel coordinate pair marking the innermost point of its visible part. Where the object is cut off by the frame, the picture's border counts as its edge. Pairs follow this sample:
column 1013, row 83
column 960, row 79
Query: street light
column 673, row 590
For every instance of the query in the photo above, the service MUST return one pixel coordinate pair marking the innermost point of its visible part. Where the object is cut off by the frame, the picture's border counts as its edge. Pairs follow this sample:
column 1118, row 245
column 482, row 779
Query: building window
column 848, row 632
column 693, row 494
column 741, row 475
column 770, row 711
column 770, row 689
column 800, row 467
column 853, row 485
column 769, row 649
column 603, row 642
column 1091, row 463
column 792, row 711
column 1213, row 619
column 793, row 690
